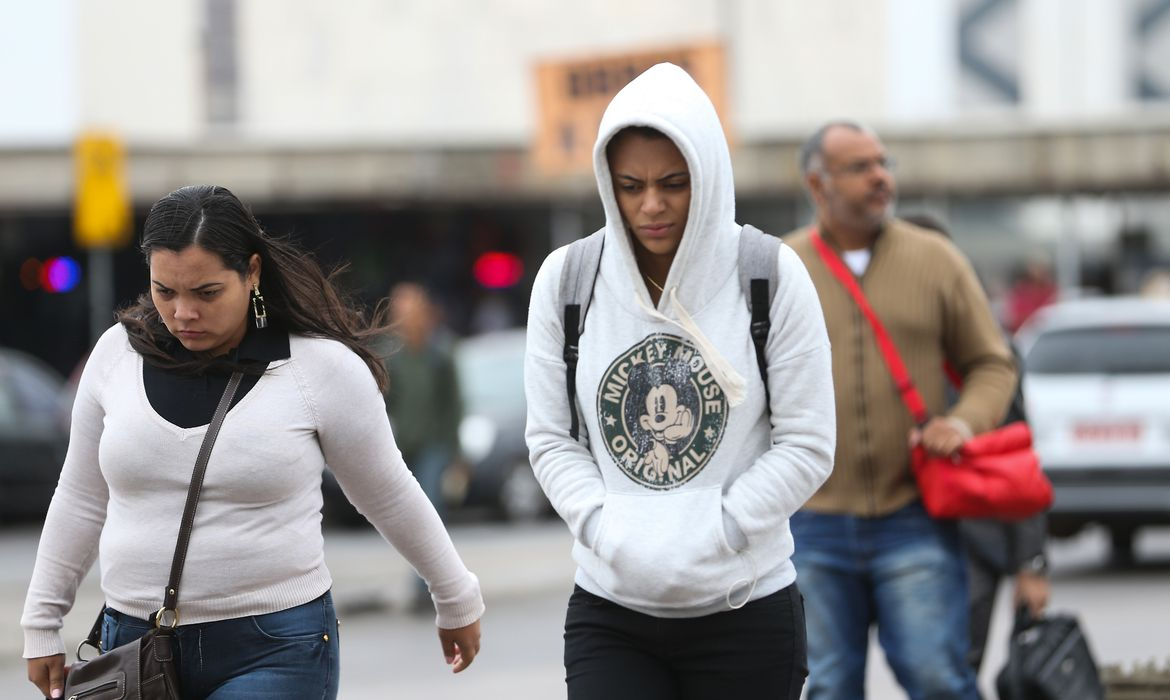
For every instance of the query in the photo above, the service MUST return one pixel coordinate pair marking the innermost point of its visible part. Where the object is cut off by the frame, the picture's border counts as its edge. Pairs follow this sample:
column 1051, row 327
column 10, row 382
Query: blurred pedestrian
column 1032, row 290
column 866, row 550
column 255, row 608
column 423, row 399
column 679, row 491
column 996, row 549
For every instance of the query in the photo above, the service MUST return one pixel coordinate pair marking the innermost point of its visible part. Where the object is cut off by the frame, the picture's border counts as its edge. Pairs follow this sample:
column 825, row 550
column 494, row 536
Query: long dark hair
column 298, row 295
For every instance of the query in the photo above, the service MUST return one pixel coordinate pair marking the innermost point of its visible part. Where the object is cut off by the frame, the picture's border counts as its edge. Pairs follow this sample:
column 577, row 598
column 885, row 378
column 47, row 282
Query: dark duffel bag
column 1048, row 659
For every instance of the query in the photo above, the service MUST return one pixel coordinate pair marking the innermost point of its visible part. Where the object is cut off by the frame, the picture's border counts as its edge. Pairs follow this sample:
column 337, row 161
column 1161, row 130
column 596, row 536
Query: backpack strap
column 582, row 261
column 758, row 253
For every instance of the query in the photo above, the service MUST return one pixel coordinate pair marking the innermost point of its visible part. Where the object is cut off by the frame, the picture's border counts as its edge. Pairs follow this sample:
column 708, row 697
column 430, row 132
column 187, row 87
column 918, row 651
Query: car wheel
column 521, row 497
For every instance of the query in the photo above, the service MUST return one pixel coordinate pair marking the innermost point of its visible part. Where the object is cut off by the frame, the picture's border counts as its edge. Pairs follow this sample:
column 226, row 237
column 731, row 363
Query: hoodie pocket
column 666, row 549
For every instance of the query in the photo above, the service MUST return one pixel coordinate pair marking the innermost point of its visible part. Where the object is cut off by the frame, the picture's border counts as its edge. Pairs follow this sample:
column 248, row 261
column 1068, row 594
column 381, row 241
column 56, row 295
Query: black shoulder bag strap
column 168, row 614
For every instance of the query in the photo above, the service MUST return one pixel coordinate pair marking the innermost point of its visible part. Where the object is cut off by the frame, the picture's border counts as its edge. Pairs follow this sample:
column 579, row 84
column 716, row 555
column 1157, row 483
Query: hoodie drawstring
column 749, row 582
column 725, row 375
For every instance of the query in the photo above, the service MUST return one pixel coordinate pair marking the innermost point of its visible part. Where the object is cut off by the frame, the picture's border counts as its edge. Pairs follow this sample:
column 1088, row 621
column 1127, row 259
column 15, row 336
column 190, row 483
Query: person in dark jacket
column 999, row 548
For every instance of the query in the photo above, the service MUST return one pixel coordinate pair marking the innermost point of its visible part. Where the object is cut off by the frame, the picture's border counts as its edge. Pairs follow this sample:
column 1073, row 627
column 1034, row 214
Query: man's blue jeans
column 286, row 655
column 903, row 572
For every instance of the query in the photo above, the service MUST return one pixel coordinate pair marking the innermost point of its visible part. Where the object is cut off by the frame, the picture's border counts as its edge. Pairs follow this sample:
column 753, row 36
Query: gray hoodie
column 684, row 516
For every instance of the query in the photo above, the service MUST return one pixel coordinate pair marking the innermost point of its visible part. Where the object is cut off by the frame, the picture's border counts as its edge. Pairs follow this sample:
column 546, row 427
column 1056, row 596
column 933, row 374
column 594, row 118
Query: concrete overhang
column 1132, row 157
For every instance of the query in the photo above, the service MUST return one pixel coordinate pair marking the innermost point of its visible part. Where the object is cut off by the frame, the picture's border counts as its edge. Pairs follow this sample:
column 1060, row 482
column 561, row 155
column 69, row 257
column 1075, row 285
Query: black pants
column 982, row 586
column 614, row 653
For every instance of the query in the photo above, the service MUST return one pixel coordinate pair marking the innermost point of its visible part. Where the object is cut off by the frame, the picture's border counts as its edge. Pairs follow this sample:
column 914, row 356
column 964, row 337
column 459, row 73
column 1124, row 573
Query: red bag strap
column 902, row 381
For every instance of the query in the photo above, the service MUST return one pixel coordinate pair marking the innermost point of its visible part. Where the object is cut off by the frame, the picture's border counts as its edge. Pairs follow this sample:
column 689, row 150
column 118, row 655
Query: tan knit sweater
column 927, row 296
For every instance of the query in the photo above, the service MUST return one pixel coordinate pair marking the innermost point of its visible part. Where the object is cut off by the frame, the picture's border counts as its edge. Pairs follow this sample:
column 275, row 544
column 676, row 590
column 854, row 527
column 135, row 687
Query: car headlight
column 477, row 436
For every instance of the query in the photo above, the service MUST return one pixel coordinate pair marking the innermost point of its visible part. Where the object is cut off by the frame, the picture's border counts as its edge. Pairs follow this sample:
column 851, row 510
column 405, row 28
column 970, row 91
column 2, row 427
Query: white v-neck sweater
column 257, row 545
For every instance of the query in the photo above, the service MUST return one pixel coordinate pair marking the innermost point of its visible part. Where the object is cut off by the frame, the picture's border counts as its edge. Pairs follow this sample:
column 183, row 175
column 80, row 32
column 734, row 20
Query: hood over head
column 667, row 99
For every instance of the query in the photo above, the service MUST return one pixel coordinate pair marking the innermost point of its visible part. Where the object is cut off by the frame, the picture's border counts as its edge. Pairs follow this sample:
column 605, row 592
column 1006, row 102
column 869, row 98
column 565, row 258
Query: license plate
column 1107, row 432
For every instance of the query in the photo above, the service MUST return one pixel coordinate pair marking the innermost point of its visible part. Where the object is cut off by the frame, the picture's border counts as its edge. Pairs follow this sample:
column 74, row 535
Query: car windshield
column 1105, row 350
column 491, row 377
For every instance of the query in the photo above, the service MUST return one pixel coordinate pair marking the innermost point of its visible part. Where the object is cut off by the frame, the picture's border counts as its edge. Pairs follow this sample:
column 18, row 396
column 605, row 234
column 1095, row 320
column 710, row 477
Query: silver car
column 34, row 432
column 1097, row 389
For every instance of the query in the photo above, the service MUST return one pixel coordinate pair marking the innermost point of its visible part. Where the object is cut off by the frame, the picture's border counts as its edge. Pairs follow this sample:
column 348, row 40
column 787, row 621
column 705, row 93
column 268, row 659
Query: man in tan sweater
column 866, row 551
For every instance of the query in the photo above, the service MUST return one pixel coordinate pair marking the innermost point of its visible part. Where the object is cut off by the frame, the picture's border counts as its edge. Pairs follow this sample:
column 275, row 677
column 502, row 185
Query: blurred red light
column 498, row 270
column 30, row 274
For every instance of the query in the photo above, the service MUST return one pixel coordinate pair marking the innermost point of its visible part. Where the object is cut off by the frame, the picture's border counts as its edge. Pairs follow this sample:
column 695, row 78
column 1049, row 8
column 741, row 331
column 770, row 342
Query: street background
column 447, row 143
column 526, row 574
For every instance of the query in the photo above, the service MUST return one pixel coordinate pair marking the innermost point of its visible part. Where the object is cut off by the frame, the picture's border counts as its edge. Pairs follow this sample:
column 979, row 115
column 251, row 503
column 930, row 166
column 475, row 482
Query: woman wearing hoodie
column 679, row 488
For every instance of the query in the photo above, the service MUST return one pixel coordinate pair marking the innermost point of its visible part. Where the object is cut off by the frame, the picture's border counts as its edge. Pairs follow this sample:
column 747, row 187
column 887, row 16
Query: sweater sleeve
column 564, row 467
column 359, row 447
column 975, row 347
column 73, row 524
column 803, row 415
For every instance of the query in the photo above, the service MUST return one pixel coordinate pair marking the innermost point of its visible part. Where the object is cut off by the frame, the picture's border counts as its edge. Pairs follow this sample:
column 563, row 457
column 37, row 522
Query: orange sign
column 572, row 96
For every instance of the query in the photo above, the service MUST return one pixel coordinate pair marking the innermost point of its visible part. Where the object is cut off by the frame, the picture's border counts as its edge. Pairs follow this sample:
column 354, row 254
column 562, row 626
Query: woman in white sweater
column 255, row 611
column 679, row 491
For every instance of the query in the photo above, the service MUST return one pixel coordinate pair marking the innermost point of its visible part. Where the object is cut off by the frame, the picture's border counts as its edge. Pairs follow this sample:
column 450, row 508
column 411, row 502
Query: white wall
column 457, row 72
column 923, row 64
column 140, row 68
column 804, row 62
column 38, row 77
column 1075, row 58
column 437, row 71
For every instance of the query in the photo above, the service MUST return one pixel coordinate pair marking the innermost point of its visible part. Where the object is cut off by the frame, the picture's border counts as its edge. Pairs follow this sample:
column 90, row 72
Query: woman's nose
column 653, row 203
column 185, row 311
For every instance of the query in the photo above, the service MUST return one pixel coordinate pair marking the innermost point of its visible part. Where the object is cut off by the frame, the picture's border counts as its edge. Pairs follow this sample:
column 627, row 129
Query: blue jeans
column 615, row 653
column 290, row 655
column 903, row 572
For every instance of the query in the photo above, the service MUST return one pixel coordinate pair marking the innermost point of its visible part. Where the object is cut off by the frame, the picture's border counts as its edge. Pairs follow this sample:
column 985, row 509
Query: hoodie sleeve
column 565, row 467
column 803, row 415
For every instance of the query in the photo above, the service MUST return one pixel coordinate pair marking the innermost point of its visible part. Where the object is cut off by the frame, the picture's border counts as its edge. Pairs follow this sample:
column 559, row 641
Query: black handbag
column 146, row 669
column 1048, row 659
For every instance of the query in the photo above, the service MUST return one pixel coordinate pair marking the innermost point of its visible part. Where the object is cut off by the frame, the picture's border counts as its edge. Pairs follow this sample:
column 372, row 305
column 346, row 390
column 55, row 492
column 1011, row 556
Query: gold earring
column 258, row 310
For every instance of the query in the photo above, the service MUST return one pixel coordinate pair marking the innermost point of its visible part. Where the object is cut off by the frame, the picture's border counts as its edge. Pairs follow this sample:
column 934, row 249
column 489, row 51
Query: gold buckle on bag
column 160, row 618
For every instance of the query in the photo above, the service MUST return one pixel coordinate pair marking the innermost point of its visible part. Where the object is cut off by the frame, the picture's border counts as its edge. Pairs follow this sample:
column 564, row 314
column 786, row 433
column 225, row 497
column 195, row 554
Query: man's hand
column 942, row 436
column 460, row 645
column 1032, row 589
column 47, row 673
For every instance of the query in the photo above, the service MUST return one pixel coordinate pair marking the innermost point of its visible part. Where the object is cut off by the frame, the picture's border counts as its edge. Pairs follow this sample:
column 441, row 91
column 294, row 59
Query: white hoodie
column 682, row 512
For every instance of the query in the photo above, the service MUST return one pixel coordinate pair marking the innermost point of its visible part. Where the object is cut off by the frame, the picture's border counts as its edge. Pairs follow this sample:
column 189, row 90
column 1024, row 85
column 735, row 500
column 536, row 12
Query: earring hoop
column 258, row 311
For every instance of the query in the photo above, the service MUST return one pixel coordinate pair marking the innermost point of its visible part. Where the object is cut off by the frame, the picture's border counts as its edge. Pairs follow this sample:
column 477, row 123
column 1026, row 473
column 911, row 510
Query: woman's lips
column 655, row 230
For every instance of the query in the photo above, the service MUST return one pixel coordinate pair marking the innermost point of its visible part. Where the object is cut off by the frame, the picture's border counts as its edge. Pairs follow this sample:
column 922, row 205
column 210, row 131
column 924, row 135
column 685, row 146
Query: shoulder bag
column 996, row 474
column 147, row 669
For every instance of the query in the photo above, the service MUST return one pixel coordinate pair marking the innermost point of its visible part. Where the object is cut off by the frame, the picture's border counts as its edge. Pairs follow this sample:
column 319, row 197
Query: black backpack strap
column 579, row 274
column 758, row 254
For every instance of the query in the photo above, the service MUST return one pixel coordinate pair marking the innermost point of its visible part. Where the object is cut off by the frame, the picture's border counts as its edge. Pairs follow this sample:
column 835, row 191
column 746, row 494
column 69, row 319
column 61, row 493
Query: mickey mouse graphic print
column 662, row 414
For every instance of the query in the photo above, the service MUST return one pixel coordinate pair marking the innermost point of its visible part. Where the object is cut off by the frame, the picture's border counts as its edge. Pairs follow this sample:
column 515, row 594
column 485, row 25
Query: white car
column 1097, row 391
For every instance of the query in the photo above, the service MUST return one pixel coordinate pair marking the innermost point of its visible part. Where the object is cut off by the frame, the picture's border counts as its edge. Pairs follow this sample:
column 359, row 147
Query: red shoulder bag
column 996, row 474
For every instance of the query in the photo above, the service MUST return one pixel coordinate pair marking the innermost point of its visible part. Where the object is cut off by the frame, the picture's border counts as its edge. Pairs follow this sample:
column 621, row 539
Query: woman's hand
column 48, row 674
column 460, row 645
